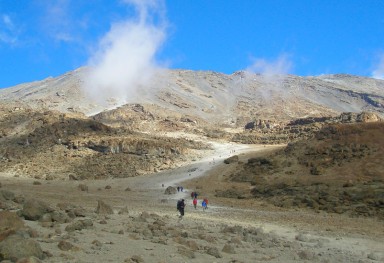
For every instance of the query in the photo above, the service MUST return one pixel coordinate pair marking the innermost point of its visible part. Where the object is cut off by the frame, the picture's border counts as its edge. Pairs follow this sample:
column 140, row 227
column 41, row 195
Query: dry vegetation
column 339, row 170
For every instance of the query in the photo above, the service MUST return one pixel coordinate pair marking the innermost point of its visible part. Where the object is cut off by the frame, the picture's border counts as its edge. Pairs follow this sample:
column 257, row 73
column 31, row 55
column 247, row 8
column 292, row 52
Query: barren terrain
column 292, row 168
column 145, row 227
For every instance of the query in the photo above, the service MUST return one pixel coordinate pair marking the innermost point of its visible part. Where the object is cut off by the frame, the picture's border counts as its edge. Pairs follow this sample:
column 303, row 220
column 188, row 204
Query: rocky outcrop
column 82, row 148
column 269, row 132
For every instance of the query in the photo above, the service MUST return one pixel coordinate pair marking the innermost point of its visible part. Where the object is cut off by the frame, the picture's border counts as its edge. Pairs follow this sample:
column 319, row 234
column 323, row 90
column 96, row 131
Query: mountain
column 226, row 100
column 301, row 157
column 53, row 129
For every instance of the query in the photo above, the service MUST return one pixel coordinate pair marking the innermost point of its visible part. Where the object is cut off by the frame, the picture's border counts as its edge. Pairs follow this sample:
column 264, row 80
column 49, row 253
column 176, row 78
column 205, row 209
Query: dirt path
column 341, row 240
column 256, row 233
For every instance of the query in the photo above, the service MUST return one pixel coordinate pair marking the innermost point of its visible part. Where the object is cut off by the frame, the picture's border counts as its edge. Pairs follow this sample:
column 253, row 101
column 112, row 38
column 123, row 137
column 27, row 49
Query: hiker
column 195, row 194
column 178, row 188
column 194, row 202
column 204, row 205
column 180, row 207
column 181, row 188
column 192, row 195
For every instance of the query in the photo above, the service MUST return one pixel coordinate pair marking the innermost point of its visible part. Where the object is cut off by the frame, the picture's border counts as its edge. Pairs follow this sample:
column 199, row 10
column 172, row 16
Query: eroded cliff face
column 273, row 132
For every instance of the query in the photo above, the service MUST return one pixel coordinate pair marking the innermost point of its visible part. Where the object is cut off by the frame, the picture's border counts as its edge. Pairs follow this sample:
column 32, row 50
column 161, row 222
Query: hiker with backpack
column 194, row 202
column 180, row 207
column 204, row 205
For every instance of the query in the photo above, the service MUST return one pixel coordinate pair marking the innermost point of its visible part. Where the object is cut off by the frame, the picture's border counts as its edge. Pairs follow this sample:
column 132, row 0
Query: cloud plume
column 378, row 72
column 125, row 58
column 281, row 66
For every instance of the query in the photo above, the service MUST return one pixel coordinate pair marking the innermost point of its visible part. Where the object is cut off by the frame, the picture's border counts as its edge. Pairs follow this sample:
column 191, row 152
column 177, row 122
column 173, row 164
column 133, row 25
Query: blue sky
column 42, row 38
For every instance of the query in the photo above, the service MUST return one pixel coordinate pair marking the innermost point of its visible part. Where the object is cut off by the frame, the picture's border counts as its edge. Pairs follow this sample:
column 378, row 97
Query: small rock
column 306, row 255
column 29, row 260
column 65, row 245
column 229, row 249
column 123, row 211
column 374, row 256
column 136, row 259
column 83, row 187
column 79, row 225
column 302, row 237
column 213, row 251
column 103, row 208
column 186, row 252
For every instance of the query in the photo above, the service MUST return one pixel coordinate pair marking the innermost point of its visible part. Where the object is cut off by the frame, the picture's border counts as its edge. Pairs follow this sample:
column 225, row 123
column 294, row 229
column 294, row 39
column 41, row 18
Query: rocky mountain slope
column 52, row 145
column 315, row 195
column 231, row 100
column 55, row 120
column 339, row 170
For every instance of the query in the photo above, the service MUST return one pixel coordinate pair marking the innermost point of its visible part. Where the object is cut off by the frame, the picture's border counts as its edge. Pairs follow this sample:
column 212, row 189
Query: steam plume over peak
column 281, row 66
column 125, row 57
column 378, row 73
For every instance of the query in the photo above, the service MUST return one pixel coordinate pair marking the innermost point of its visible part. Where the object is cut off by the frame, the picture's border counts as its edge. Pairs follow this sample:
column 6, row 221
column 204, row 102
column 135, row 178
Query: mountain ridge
column 213, row 96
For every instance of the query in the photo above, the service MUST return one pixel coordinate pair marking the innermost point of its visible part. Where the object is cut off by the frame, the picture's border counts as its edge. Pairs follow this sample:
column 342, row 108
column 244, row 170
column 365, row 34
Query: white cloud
column 8, row 31
column 273, row 74
column 7, row 21
column 378, row 72
column 125, row 56
column 57, row 21
column 281, row 66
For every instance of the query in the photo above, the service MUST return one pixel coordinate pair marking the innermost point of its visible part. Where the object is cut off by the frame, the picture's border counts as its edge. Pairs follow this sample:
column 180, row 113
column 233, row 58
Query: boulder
column 7, row 195
column 16, row 247
column 228, row 248
column 213, row 251
column 170, row 190
column 9, row 224
column 79, row 225
column 66, row 246
column 35, row 209
column 72, row 210
column 232, row 159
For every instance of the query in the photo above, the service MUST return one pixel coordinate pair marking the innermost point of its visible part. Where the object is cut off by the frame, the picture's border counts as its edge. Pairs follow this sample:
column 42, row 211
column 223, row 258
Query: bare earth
column 229, row 231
